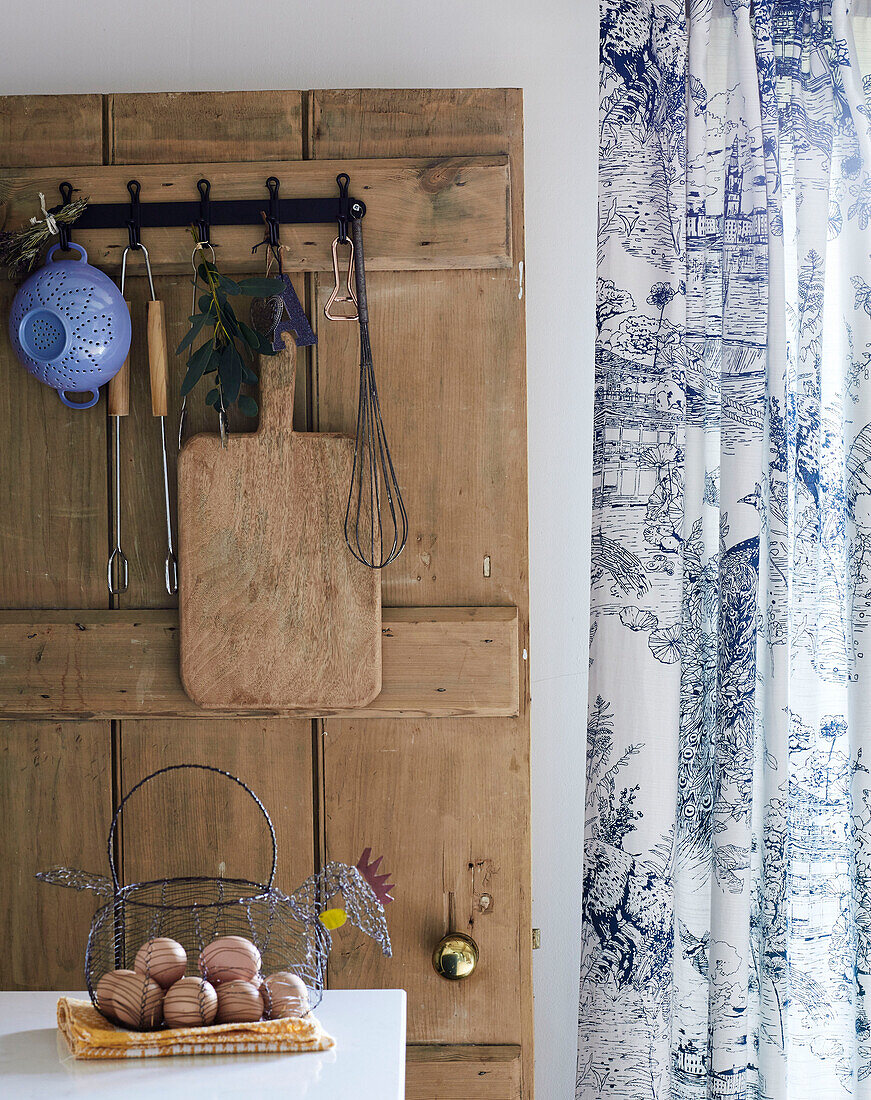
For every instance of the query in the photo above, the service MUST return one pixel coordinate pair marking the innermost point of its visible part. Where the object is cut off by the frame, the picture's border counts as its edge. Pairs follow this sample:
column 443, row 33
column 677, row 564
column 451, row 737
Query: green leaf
column 251, row 337
column 205, row 302
column 261, row 288
column 248, row 375
column 197, row 322
column 229, row 285
column 213, row 398
column 247, row 405
column 206, row 268
column 230, row 372
column 196, row 366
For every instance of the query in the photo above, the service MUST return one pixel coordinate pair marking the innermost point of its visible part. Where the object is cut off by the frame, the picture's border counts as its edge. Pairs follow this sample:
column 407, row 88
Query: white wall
column 549, row 49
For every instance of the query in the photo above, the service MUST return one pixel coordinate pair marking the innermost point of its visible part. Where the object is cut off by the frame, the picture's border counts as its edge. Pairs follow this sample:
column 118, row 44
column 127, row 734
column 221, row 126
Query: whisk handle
column 119, row 387
column 360, row 270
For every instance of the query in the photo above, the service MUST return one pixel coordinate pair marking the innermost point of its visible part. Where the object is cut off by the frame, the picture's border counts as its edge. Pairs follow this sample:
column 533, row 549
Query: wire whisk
column 376, row 523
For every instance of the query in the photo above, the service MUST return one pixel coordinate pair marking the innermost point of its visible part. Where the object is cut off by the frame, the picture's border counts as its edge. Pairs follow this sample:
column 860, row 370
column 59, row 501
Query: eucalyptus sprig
column 230, row 342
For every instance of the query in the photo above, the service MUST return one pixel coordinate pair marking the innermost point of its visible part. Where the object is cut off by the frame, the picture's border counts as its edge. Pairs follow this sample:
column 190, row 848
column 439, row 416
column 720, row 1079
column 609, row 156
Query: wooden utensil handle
column 157, row 358
column 119, row 387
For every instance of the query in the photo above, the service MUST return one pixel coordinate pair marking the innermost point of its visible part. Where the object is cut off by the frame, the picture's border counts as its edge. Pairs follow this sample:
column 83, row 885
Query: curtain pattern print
column 727, row 858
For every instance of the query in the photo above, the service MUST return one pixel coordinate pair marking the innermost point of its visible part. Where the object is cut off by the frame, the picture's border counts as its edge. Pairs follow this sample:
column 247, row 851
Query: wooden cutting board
column 274, row 609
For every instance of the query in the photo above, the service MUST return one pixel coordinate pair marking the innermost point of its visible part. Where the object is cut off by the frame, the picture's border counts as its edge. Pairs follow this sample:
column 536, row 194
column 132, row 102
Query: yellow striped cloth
column 90, row 1035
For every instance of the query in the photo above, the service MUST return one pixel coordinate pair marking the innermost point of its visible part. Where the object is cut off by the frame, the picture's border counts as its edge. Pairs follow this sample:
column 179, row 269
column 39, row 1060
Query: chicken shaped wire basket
column 287, row 930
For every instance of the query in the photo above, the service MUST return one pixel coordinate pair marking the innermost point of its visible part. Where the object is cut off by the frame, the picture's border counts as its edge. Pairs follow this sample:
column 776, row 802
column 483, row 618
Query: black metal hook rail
column 205, row 212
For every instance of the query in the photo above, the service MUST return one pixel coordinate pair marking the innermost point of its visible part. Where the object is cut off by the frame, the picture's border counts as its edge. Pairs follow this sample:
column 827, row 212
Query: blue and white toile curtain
column 727, row 858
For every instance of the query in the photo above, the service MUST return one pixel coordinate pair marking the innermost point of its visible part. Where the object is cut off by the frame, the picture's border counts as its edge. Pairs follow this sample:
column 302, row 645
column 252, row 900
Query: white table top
column 367, row 1062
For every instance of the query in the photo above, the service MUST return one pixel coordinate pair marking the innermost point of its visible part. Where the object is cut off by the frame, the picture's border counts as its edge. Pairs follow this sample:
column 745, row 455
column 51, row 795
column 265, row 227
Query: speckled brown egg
column 191, row 1002
column 284, row 994
column 230, row 959
column 238, row 1003
column 104, row 989
column 162, row 960
column 136, row 1001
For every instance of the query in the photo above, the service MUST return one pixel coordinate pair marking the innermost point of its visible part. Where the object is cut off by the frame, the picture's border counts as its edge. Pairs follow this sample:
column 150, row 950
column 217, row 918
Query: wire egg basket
column 194, row 911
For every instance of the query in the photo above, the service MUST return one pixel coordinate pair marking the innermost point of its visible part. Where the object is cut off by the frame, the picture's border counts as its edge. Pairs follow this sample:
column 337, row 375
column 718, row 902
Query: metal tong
column 119, row 405
column 117, row 571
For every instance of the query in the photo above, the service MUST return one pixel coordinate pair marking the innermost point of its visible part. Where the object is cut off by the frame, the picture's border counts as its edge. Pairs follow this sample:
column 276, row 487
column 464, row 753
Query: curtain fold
column 727, row 858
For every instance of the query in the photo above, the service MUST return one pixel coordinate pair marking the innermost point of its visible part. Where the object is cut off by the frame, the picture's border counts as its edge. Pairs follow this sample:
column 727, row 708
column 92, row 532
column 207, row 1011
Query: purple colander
column 70, row 327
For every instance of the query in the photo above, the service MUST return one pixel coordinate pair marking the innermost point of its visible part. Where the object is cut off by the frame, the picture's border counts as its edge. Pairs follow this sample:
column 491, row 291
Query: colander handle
column 182, row 767
column 80, row 404
column 82, row 254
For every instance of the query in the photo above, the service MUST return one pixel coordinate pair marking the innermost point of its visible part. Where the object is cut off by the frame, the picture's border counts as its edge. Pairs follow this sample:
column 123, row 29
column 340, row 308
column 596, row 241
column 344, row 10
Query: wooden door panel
column 55, row 782
column 198, row 823
column 450, row 798
column 55, row 790
column 272, row 756
column 445, row 802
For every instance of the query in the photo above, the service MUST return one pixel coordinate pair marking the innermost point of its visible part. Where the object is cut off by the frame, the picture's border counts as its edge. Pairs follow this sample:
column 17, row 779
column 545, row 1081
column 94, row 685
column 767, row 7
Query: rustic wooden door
column 435, row 774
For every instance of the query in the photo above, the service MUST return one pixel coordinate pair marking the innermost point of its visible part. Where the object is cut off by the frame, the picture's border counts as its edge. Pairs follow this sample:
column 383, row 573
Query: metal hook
column 343, row 180
column 205, row 218
column 134, row 223
column 66, row 196
column 272, row 219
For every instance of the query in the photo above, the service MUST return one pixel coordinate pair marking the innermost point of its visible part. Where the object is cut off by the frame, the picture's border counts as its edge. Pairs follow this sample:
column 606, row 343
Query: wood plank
column 422, row 213
column 446, row 803
column 273, row 756
column 204, row 126
column 120, row 664
column 440, row 1072
column 457, row 428
column 37, row 130
column 53, row 484
column 55, row 781
column 274, row 611
column 54, row 790
column 195, row 823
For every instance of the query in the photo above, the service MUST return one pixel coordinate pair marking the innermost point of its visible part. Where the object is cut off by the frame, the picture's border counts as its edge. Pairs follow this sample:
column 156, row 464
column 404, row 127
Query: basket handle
column 180, row 767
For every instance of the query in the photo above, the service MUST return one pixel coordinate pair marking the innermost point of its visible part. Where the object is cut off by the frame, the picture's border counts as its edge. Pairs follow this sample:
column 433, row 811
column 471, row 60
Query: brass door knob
column 455, row 956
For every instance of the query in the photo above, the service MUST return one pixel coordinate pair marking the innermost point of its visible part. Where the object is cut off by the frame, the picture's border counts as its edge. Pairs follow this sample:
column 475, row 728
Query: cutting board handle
column 277, row 386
